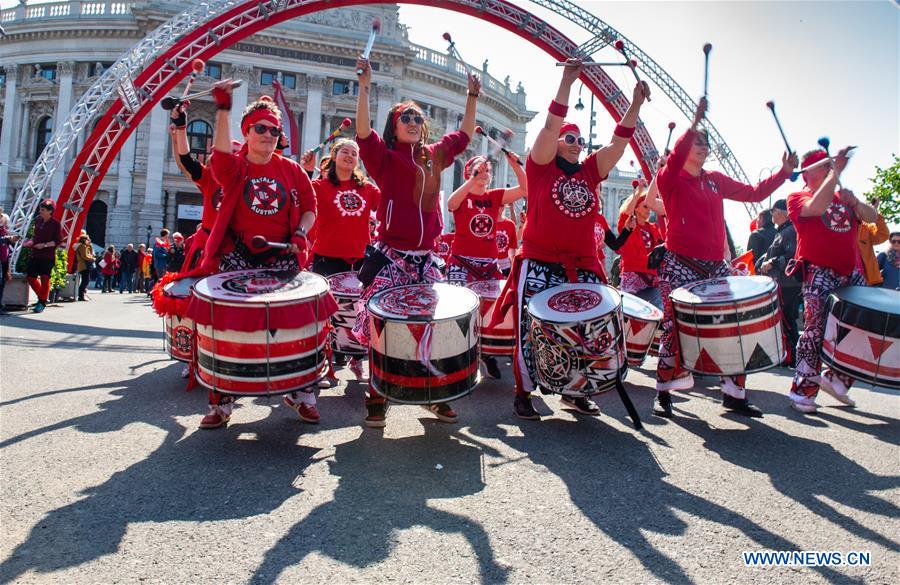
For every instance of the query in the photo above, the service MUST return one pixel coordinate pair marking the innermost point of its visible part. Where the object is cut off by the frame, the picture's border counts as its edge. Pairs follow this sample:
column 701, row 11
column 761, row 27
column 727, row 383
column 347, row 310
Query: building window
column 344, row 87
column 2, row 78
column 199, row 135
column 213, row 70
column 48, row 72
column 42, row 136
column 288, row 80
column 99, row 67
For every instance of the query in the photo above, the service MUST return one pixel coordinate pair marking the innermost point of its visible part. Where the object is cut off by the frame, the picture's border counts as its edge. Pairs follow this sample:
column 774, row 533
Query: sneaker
column 377, row 414
column 581, row 404
column 308, row 413
column 442, row 411
column 685, row 382
column 491, row 367
column 356, row 367
column 803, row 404
column 730, row 388
column 664, row 399
column 38, row 307
column 740, row 406
column 524, row 409
column 834, row 387
column 338, row 358
column 215, row 418
column 185, row 371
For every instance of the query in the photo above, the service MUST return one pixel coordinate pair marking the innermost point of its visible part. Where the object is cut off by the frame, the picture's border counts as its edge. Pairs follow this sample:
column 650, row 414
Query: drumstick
column 198, row 66
column 260, row 242
column 480, row 130
column 706, row 49
column 376, row 26
column 170, row 102
column 453, row 51
column 632, row 64
column 345, row 123
column 669, row 139
column 771, row 105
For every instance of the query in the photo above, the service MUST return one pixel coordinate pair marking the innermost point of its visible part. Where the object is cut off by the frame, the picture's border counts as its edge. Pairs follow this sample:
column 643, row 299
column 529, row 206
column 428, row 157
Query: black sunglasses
column 406, row 118
column 895, row 241
column 261, row 129
column 571, row 139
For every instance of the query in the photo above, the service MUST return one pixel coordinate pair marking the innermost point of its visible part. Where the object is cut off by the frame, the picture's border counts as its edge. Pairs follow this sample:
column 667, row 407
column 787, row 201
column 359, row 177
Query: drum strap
column 412, row 264
column 487, row 271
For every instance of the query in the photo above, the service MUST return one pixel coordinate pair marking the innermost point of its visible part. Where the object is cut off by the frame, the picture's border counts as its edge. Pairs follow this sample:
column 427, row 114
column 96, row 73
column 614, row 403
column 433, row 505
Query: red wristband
column 557, row 109
column 222, row 98
column 623, row 132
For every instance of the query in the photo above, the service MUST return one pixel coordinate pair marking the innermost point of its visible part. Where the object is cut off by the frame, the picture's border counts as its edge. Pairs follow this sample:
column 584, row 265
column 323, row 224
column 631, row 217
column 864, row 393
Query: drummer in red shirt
column 264, row 194
column 695, row 248
column 408, row 171
column 634, row 274
column 507, row 241
column 558, row 242
column 604, row 236
column 826, row 219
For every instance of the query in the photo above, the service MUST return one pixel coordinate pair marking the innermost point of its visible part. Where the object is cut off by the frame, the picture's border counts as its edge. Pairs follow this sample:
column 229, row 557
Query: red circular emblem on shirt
column 837, row 218
column 599, row 236
column 573, row 197
column 647, row 237
column 412, row 301
column 574, row 301
column 265, row 196
column 502, row 242
column 481, row 225
column 349, row 203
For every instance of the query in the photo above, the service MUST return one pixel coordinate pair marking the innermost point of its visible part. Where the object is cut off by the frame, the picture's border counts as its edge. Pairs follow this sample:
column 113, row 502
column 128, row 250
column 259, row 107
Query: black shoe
column 581, row 404
column 376, row 416
column 491, row 367
column 741, row 406
column 339, row 358
column 523, row 408
column 664, row 399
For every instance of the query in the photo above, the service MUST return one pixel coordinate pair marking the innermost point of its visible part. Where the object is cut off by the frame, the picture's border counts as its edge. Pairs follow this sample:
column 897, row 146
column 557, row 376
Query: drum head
column 180, row 288
column 652, row 296
column 879, row 299
column 723, row 290
column 423, row 302
column 345, row 284
column 487, row 289
column 260, row 287
column 635, row 307
column 568, row 303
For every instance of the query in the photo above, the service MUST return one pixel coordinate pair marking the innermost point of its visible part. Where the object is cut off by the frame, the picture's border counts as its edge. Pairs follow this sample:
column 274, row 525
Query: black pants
column 328, row 265
column 85, row 276
column 790, row 307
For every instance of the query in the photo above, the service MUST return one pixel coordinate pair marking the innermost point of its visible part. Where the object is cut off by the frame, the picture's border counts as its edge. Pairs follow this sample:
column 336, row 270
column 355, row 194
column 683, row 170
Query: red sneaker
column 307, row 412
column 215, row 418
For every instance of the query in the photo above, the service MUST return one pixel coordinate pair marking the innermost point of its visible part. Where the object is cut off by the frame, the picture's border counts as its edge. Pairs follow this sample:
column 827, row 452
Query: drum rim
column 616, row 308
column 502, row 286
column 374, row 312
column 171, row 285
column 245, row 304
column 636, row 318
column 834, row 297
column 773, row 287
column 340, row 293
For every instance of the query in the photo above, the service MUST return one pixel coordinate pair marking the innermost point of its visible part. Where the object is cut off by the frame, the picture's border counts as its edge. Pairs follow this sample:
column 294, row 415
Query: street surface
column 107, row 479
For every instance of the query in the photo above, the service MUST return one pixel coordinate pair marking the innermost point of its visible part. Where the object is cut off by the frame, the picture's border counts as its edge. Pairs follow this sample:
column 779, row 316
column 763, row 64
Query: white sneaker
column 356, row 366
column 729, row 387
column 836, row 389
column 185, row 371
column 683, row 383
column 802, row 403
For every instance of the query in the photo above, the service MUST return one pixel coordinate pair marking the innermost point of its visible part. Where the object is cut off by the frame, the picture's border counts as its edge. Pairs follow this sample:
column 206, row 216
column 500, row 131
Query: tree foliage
column 886, row 190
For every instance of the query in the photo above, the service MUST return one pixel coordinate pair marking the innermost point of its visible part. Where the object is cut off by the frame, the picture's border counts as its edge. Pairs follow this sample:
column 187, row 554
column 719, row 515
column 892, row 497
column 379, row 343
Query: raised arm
column 458, row 196
column 468, row 122
column 520, row 190
column 824, row 195
column 222, row 131
column 609, row 155
column 544, row 150
column 363, row 121
column 654, row 201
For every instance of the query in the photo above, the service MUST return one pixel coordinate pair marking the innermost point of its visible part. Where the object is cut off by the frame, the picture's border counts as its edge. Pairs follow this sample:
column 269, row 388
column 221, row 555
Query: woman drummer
column 265, row 195
column 635, row 275
column 604, row 236
column 408, row 170
column 696, row 248
column 558, row 242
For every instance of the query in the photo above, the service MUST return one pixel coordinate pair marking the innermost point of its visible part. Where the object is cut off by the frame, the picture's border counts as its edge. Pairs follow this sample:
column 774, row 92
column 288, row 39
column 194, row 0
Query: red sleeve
column 224, row 167
column 372, row 151
column 373, row 194
column 623, row 217
column 305, row 192
column 450, row 146
column 601, row 219
column 795, row 203
column 737, row 191
column 57, row 234
column 676, row 161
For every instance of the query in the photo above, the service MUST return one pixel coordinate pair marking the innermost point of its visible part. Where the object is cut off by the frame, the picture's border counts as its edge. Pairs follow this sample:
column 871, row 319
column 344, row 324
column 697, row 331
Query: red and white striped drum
column 729, row 326
column 346, row 290
column 424, row 347
column 653, row 296
column 261, row 331
column 501, row 339
column 576, row 338
column 641, row 325
column 179, row 338
column 862, row 334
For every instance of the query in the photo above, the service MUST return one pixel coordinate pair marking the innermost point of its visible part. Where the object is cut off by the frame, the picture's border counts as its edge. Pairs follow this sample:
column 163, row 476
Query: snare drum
column 261, row 331
column 576, row 338
column 424, row 345
column 499, row 340
column 729, row 326
column 862, row 334
column 641, row 322
column 179, row 338
column 346, row 290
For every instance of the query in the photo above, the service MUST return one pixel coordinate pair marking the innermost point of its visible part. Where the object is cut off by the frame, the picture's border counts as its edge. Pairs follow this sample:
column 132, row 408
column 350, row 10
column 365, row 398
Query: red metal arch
column 210, row 38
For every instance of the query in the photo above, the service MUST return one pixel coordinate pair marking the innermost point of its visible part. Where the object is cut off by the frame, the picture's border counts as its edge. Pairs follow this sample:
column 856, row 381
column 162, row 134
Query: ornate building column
column 312, row 121
column 10, row 111
column 239, row 98
column 63, row 105
column 386, row 98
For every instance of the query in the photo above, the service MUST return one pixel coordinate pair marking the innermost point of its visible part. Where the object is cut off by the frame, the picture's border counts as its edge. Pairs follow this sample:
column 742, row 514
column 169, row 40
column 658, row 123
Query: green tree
column 886, row 190
column 60, row 269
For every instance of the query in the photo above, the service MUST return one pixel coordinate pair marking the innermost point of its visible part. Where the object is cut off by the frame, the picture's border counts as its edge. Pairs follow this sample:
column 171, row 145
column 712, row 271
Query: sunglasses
column 895, row 241
column 261, row 129
column 572, row 139
column 406, row 119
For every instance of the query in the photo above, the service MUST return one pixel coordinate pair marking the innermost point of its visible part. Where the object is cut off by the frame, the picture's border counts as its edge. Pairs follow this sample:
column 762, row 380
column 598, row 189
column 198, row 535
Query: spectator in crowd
column 46, row 238
column 6, row 240
column 889, row 263
column 869, row 235
column 773, row 264
column 162, row 241
column 147, row 271
column 160, row 260
column 762, row 238
column 84, row 264
column 139, row 269
column 128, row 262
column 176, row 253
column 109, row 268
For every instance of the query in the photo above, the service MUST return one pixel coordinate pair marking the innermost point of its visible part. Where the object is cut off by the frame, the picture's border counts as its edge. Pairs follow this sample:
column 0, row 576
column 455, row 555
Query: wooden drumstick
column 376, row 26
column 260, row 242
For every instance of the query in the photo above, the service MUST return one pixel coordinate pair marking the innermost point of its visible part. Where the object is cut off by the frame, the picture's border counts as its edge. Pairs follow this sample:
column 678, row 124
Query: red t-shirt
column 443, row 244
column 506, row 238
column 476, row 224
column 638, row 246
column 601, row 227
column 342, row 217
column 562, row 211
column 212, row 197
column 267, row 195
column 828, row 240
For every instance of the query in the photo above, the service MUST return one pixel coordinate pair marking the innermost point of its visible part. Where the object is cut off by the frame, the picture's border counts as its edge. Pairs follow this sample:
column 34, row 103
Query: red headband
column 258, row 116
column 813, row 157
column 569, row 127
column 405, row 108
column 467, row 170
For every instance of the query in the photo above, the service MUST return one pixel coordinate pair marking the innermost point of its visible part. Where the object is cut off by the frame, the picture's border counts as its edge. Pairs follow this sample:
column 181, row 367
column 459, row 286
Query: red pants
column 41, row 287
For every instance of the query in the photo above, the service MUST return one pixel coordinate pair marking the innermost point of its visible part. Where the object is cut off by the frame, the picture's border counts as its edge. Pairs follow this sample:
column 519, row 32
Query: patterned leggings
column 818, row 283
column 462, row 270
column 675, row 272
column 635, row 282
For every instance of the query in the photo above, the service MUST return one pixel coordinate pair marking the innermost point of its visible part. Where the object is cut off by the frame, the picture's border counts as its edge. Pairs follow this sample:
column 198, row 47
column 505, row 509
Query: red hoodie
column 694, row 205
column 410, row 208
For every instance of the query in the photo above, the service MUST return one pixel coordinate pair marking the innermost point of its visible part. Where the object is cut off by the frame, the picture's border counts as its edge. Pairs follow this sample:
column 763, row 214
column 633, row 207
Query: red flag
column 293, row 151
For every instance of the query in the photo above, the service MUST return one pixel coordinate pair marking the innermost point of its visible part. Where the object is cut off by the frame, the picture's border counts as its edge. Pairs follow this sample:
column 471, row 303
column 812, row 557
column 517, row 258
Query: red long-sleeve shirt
column 694, row 205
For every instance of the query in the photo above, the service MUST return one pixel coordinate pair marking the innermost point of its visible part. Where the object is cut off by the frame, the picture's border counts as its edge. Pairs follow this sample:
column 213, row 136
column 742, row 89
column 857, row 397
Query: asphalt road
column 107, row 479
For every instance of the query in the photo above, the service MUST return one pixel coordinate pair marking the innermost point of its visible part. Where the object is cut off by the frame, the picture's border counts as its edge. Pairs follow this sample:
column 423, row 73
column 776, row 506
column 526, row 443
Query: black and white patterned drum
column 577, row 340
column 179, row 338
column 346, row 290
column 424, row 344
column 500, row 339
column 641, row 324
